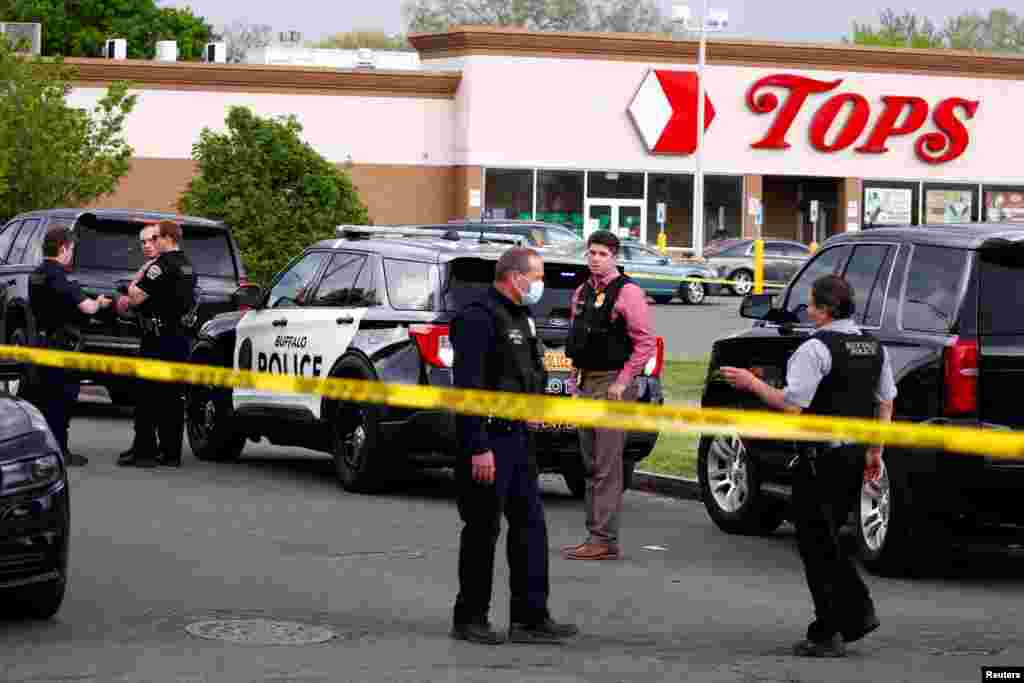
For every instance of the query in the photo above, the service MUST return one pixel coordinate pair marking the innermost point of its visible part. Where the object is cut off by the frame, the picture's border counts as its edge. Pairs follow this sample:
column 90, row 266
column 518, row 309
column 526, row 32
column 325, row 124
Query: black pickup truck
column 107, row 254
column 948, row 304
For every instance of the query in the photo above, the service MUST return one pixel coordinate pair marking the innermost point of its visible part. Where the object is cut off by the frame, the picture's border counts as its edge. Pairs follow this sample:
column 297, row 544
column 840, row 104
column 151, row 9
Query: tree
column 905, row 30
column 351, row 40
column 1000, row 31
column 79, row 28
column 276, row 192
column 54, row 154
column 537, row 15
column 241, row 37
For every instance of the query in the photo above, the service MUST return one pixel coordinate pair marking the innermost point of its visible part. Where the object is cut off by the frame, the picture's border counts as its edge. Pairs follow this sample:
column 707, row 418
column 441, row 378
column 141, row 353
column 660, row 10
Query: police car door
column 267, row 335
column 331, row 318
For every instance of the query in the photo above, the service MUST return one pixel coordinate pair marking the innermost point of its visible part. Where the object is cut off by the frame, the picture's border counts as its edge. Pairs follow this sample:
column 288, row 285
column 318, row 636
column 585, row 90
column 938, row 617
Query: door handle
column 345, row 320
column 282, row 322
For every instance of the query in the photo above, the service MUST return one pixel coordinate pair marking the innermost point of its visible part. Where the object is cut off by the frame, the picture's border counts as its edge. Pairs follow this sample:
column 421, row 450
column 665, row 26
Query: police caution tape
column 705, row 280
column 550, row 409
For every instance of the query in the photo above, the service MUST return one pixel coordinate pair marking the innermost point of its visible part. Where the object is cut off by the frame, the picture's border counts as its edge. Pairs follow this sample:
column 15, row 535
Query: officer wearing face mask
column 497, row 348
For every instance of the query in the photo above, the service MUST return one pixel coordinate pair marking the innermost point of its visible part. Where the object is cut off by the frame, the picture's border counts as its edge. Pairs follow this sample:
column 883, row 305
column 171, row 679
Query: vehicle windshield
column 467, row 278
column 114, row 245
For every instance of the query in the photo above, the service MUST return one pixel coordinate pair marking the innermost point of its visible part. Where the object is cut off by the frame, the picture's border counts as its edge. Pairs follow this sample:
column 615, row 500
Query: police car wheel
column 731, row 489
column 354, row 436
column 208, row 413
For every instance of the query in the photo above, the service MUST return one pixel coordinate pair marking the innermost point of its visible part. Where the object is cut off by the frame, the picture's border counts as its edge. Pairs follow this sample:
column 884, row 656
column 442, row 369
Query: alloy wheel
column 727, row 473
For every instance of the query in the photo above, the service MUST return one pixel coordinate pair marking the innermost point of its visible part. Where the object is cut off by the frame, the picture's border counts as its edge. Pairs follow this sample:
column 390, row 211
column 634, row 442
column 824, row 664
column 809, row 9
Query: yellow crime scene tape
column 712, row 281
column 624, row 415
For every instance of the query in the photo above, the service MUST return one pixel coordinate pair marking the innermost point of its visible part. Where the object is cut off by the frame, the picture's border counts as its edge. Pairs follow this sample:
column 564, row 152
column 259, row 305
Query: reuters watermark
column 1002, row 673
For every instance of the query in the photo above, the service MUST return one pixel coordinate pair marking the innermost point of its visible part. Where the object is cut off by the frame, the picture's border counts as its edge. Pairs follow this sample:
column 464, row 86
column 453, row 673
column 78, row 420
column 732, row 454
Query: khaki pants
column 602, row 451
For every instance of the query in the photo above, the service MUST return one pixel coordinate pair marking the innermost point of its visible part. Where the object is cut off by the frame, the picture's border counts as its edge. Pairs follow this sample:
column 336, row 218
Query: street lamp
column 711, row 20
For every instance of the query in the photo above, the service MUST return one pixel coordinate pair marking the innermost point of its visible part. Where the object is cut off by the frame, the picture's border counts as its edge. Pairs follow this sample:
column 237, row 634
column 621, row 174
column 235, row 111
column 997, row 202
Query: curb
column 666, row 485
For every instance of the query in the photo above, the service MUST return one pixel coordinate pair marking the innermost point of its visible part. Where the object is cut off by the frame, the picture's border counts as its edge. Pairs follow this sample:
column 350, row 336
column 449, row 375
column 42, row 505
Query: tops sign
column 942, row 146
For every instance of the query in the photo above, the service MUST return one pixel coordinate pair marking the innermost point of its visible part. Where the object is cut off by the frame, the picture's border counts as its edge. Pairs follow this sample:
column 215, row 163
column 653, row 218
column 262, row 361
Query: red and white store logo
column 938, row 147
column 664, row 110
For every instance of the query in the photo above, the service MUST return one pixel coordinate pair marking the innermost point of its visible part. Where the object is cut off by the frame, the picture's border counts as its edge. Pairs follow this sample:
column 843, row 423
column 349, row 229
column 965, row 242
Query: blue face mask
column 534, row 293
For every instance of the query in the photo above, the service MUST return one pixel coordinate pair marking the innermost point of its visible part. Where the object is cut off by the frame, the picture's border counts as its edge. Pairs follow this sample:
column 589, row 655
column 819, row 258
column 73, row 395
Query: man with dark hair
column 165, row 294
column 497, row 348
column 609, row 343
column 56, row 303
column 843, row 372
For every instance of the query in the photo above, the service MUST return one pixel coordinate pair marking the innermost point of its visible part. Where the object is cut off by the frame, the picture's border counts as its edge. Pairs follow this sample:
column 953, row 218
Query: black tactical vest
column 177, row 298
column 849, row 389
column 54, row 315
column 515, row 362
column 595, row 342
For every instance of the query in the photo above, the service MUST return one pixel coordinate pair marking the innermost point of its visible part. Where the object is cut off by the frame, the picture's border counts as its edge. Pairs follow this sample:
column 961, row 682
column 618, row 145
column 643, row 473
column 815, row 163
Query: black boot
column 546, row 631
column 479, row 632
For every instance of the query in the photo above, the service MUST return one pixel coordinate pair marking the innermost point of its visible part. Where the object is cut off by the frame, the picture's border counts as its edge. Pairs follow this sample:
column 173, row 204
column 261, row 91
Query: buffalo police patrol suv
column 375, row 304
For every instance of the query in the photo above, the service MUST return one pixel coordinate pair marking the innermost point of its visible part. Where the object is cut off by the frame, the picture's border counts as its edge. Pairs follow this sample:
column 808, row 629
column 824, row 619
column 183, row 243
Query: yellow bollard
column 813, row 246
column 662, row 243
column 758, row 266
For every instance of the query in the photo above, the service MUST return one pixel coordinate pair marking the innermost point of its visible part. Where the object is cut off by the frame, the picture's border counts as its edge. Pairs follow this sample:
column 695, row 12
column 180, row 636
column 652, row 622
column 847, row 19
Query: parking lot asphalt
column 273, row 537
column 689, row 331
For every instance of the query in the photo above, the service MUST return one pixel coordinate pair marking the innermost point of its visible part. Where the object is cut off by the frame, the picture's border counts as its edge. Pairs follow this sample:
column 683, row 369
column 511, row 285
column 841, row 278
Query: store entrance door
column 627, row 218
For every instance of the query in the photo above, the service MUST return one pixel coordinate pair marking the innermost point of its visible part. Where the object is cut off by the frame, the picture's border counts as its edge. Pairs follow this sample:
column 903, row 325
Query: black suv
column 376, row 305
column 107, row 254
column 948, row 304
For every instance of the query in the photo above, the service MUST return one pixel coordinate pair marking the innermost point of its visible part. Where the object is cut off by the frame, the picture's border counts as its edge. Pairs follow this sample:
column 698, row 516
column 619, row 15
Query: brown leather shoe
column 572, row 548
column 593, row 551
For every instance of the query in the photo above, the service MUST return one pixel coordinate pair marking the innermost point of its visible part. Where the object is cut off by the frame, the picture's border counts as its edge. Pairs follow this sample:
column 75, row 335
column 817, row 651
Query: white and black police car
column 375, row 304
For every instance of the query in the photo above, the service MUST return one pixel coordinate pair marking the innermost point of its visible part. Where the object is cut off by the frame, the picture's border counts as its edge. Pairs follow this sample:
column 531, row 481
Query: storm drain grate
column 260, row 632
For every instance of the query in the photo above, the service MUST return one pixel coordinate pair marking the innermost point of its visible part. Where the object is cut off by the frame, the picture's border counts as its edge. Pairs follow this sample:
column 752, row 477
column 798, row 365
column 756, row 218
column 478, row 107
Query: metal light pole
column 681, row 14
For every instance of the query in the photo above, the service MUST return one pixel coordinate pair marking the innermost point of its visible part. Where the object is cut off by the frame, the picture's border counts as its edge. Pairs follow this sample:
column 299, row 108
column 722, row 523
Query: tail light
column 244, row 282
column 657, row 361
column 434, row 345
column 961, row 379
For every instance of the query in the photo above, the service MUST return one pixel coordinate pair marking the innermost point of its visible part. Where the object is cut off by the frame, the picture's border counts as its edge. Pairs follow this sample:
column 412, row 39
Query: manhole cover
column 260, row 632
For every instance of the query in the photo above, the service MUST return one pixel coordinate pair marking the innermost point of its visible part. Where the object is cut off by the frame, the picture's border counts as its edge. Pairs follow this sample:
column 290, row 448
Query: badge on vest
column 515, row 336
column 861, row 348
column 154, row 272
column 599, row 301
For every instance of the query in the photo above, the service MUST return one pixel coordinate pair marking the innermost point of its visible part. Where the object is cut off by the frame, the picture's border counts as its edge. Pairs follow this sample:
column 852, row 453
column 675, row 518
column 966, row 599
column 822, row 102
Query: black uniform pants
column 55, row 396
column 516, row 494
column 822, row 499
column 160, row 410
column 144, row 420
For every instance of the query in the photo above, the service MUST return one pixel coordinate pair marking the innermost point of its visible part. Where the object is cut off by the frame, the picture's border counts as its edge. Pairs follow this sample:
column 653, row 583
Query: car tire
column 355, row 435
column 18, row 337
column 208, row 418
column 743, row 282
column 731, row 489
column 893, row 537
column 38, row 601
column 662, row 299
column 693, row 293
column 576, row 480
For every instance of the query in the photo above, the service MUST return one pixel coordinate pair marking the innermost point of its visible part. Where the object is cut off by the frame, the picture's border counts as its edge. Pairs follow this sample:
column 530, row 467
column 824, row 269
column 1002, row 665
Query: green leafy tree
column 999, row 31
column 537, row 15
column 54, row 154
column 78, row 28
column 351, row 40
column 898, row 30
column 275, row 191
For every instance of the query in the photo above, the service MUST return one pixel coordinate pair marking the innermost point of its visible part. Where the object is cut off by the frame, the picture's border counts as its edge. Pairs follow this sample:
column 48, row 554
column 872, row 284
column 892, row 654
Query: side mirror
column 248, row 296
column 756, row 306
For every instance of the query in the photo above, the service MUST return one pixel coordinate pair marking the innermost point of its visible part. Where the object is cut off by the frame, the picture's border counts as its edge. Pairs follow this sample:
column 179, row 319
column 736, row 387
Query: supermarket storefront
column 599, row 130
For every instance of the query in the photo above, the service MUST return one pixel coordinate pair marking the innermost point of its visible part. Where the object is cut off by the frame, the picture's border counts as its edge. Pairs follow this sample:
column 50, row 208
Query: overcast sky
column 798, row 20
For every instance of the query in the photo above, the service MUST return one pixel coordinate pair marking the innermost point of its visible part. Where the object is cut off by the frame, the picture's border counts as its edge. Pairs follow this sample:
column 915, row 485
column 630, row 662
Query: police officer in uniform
column 142, row 422
column 497, row 348
column 56, row 304
column 163, row 296
column 843, row 372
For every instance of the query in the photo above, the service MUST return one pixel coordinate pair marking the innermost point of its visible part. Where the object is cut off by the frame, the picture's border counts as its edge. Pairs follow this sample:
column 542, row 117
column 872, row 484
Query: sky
column 784, row 20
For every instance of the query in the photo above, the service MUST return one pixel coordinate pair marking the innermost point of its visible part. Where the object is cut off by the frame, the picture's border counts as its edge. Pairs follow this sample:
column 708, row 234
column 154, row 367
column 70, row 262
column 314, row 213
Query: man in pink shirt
column 609, row 343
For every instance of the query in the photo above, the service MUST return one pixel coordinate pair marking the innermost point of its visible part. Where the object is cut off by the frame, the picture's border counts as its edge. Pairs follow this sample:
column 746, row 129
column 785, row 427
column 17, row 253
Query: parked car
column 107, row 254
column 662, row 278
column 734, row 260
column 34, row 513
column 538, row 234
column 376, row 305
column 947, row 302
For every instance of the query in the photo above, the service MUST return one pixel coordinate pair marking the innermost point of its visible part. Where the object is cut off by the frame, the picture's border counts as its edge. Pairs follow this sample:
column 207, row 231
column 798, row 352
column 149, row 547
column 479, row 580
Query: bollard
column 663, row 243
column 758, row 266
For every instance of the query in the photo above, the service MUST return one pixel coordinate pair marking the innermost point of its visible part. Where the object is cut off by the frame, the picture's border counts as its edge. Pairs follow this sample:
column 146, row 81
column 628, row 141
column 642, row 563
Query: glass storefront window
column 615, row 185
column 890, row 203
column 1004, row 204
column 950, row 203
column 508, row 193
column 723, row 207
column 676, row 192
column 560, row 198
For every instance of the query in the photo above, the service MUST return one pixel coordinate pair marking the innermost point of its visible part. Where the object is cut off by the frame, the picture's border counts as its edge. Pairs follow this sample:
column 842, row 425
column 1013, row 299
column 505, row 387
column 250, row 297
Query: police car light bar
column 413, row 231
